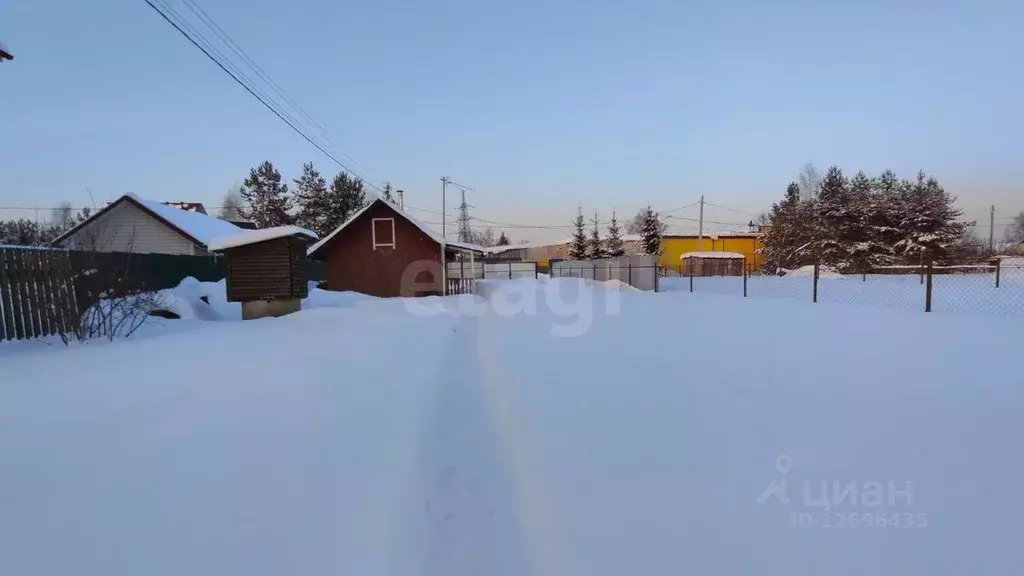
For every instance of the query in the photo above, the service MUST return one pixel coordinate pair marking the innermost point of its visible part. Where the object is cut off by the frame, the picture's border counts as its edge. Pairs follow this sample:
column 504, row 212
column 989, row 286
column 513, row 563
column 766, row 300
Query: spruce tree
column 387, row 193
column 650, row 232
column 613, row 243
column 266, row 197
column 313, row 201
column 578, row 248
column 346, row 198
column 595, row 246
column 503, row 240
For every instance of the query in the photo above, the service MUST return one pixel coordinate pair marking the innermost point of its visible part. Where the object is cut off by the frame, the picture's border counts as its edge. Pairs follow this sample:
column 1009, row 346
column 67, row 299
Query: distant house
column 383, row 251
column 201, row 209
column 5, row 54
column 1010, row 247
column 243, row 224
column 134, row 224
column 187, row 206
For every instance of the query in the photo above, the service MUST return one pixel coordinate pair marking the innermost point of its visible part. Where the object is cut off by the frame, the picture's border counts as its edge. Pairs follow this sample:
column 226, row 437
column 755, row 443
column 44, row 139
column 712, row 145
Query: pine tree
column 650, row 233
column 886, row 192
column 595, row 246
column 266, row 198
column 929, row 225
column 788, row 237
column 860, row 234
column 21, row 232
column 313, row 200
column 346, row 198
column 832, row 216
column 503, row 240
column 613, row 243
column 578, row 248
column 387, row 193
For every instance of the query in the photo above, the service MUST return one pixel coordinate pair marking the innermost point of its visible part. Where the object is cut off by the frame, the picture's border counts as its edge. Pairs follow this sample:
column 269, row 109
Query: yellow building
column 673, row 246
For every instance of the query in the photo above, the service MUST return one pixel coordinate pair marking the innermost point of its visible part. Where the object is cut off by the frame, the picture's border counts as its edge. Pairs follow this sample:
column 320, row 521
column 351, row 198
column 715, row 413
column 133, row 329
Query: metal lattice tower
column 465, row 231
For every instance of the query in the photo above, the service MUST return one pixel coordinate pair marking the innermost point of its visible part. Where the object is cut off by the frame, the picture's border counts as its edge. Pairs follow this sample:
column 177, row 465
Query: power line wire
column 283, row 116
column 730, row 209
column 241, row 53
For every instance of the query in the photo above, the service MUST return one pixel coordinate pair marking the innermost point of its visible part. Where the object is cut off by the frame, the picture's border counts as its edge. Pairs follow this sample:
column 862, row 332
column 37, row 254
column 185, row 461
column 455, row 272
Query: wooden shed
column 712, row 264
column 266, row 269
column 383, row 251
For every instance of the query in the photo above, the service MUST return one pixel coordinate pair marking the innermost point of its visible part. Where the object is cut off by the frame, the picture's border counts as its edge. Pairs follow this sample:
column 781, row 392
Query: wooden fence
column 37, row 293
column 43, row 290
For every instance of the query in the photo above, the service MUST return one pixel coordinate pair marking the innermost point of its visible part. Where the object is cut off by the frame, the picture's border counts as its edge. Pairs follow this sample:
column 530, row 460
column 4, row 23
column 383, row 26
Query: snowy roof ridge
column 430, row 233
column 724, row 255
column 247, row 237
column 200, row 228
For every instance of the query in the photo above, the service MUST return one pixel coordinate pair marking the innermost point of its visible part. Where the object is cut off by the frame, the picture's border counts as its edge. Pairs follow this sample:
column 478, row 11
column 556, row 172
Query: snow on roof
column 257, row 236
column 200, row 227
column 423, row 227
column 726, row 255
column 721, row 234
column 500, row 249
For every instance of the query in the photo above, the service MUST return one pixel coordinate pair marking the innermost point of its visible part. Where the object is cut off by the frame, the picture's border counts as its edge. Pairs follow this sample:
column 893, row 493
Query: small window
column 383, row 233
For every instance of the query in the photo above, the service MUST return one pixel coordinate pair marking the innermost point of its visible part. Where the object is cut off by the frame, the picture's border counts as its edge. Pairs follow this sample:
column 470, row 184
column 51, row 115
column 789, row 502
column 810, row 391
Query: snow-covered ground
column 667, row 434
column 967, row 293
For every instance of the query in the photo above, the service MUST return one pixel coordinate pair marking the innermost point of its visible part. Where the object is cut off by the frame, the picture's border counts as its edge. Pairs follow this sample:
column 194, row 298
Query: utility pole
column 700, row 226
column 992, row 228
column 444, row 238
column 444, row 195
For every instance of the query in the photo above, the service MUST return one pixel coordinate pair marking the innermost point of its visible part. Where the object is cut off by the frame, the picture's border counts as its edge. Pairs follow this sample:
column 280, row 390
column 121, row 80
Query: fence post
column 629, row 273
column 536, row 274
column 999, row 266
column 817, row 266
column 864, row 276
column 691, row 277
column 928, row 289
column 745, row 274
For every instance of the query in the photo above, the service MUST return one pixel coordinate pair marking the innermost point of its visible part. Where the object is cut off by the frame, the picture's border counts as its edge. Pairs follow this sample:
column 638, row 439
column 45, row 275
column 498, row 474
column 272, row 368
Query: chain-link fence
column 991, row 288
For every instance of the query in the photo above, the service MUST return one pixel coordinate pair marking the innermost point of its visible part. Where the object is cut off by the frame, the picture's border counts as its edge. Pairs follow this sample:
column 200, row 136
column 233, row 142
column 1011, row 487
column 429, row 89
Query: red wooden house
column 383, row 251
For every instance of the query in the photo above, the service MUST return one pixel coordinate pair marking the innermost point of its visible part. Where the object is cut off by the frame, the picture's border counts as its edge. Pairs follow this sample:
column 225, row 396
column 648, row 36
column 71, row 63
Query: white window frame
column 373, row 229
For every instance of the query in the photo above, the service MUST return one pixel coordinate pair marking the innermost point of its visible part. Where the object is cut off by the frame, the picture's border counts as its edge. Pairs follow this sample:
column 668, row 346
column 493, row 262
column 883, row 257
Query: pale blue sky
column 540, row 106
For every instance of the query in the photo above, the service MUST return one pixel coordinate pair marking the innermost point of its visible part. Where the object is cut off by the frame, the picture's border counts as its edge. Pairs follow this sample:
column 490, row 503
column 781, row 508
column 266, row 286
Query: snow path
column 462, row 490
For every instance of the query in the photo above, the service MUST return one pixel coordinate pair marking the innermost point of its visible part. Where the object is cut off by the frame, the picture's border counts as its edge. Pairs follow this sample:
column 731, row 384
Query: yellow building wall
column 675, row 246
